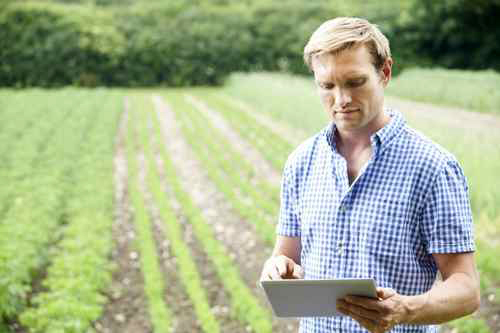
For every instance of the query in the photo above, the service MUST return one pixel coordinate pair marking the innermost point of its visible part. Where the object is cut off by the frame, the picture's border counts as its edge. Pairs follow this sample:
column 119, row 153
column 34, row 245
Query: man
column 369, row 197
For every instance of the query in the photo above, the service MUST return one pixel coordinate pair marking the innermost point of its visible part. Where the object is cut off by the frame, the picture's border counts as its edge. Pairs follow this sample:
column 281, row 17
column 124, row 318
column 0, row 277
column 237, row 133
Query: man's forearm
column 453, row 298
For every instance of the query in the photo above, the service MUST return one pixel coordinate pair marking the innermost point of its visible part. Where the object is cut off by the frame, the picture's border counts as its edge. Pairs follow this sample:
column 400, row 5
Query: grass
column 470, row 90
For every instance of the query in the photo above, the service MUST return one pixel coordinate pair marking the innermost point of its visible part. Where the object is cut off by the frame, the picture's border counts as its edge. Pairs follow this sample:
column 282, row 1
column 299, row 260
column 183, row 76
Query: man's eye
column 356, row 83
column 327, row 85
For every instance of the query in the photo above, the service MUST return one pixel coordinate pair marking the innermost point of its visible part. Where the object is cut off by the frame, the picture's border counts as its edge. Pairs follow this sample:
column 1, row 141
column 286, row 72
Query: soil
column 238, row 236
column 126, row 311
column 263, row 169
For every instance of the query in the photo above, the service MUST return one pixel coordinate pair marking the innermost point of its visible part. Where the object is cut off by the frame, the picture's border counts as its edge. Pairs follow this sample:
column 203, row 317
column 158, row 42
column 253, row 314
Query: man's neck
column 360, row 139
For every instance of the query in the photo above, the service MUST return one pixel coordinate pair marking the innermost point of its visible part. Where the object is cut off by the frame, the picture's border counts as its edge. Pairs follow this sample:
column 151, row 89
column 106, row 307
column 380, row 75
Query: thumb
column 385, row 293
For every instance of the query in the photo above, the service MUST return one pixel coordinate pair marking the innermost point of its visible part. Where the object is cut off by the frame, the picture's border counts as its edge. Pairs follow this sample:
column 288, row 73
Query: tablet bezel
column 327, row 292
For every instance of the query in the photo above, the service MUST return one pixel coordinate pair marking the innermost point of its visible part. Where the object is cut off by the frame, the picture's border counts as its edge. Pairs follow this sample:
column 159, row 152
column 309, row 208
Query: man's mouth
column 346, row 111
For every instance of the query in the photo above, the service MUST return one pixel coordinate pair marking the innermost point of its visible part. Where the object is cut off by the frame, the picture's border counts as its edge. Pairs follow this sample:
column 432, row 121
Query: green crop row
column 154, row 286
column 244, row 304
column 80, row 268
column 16, row 120
column 22, row 146
column 188, row 272
column 199, row 135
column 32, row 222
column 233, row 163
column 273, row 147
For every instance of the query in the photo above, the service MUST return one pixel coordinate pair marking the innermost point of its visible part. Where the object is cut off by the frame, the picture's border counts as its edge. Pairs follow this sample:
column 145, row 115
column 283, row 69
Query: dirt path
column 454, row 117
column 238, row 236
column 263, row 169
column 126, row 310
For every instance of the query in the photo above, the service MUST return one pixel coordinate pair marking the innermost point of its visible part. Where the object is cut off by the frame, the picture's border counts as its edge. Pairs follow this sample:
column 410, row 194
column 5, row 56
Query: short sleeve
column 447, row 217
column 289, row 222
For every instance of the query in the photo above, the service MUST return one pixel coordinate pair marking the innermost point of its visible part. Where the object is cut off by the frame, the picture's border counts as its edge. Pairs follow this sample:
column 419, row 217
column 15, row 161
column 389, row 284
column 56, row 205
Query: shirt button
column 339, row 248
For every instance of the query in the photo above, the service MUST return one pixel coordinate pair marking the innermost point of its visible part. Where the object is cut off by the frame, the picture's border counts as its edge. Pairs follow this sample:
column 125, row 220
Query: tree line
column 178, row 43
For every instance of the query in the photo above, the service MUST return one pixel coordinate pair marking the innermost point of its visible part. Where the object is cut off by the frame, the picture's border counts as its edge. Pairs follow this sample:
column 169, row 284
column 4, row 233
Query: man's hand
column 376, row 316
column 281, row 267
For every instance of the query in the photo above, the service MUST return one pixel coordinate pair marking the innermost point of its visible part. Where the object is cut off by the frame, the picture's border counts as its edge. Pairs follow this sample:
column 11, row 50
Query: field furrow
column 272, row 146
column 126, row 309
column 250, row 201
column 264, row 171
column 227, row 241
column 154, row 285
column 188, row 269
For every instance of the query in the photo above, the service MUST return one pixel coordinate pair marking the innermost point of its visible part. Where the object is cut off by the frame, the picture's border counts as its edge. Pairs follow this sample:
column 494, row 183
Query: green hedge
column 176, row 43
column 181, row 43
column 51, row 45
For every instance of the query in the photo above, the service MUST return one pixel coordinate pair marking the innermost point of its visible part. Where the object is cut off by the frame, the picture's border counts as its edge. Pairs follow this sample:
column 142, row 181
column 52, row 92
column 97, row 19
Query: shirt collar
column 381, row 138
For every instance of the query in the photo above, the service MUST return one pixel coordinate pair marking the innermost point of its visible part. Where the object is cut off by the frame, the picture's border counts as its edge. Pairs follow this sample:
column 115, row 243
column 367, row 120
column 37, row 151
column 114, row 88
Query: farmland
column 154, row 209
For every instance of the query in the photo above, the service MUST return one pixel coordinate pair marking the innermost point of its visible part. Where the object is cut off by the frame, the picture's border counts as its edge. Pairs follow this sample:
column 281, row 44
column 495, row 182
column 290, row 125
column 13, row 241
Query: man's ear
column 387, row 71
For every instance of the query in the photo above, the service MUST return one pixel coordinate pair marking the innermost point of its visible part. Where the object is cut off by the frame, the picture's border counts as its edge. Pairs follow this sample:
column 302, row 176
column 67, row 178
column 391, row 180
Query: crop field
column 154, row 210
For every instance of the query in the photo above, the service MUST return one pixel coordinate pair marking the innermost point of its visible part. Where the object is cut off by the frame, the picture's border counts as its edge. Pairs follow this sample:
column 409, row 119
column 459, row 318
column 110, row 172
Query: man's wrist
column 413, row 306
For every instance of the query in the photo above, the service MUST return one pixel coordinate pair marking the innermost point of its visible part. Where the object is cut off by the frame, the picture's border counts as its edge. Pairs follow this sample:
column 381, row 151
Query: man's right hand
column 281, row 267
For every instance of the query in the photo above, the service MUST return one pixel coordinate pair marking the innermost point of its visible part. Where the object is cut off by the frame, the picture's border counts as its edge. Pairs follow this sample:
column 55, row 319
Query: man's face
column 350, row 88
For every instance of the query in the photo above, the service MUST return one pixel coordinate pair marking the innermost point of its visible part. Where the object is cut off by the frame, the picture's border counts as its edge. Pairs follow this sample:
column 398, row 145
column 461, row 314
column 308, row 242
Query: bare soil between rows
column 238, row 236
column 126, row 310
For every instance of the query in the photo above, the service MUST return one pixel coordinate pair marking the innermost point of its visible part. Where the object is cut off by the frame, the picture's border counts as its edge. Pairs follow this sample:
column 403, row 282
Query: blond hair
column 341, row 33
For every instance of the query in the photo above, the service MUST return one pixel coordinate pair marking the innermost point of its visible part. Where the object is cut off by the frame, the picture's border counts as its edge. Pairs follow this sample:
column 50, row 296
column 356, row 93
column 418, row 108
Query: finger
column 365, row 302
column 274, row 274
column 360, row 311
column 369, row 324
column 385, row 293
column 298, row 272
column 281, row 266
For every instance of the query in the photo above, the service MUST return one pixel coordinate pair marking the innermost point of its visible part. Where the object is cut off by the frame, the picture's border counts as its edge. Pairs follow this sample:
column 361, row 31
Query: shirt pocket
column 386, row 230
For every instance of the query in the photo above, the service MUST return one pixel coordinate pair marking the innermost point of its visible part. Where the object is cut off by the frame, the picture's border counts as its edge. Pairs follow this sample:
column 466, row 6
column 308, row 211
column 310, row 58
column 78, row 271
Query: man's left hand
column 376, row 316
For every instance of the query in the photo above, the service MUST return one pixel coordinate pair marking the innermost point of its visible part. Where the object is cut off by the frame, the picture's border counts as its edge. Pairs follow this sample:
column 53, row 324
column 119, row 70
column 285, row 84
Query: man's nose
column 342, row 98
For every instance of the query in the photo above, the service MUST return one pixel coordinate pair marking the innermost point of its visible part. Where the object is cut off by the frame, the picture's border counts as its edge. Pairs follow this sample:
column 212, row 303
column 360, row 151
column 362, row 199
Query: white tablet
column 313, row 298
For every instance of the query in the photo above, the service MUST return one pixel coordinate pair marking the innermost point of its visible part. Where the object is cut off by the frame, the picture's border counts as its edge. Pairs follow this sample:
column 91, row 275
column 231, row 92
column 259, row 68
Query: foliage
column 49, row 45
column 470, row 325
column 30, row 223
column 80, row 267
column 452, row 33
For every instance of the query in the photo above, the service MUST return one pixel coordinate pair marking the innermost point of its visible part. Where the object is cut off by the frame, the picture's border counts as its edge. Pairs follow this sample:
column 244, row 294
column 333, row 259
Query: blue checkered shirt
column 409, row 201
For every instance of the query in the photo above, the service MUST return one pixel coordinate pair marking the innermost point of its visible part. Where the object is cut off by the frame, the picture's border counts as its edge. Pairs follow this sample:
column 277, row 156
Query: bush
column 51, row 45
column 456, row 34
column 200, row 42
